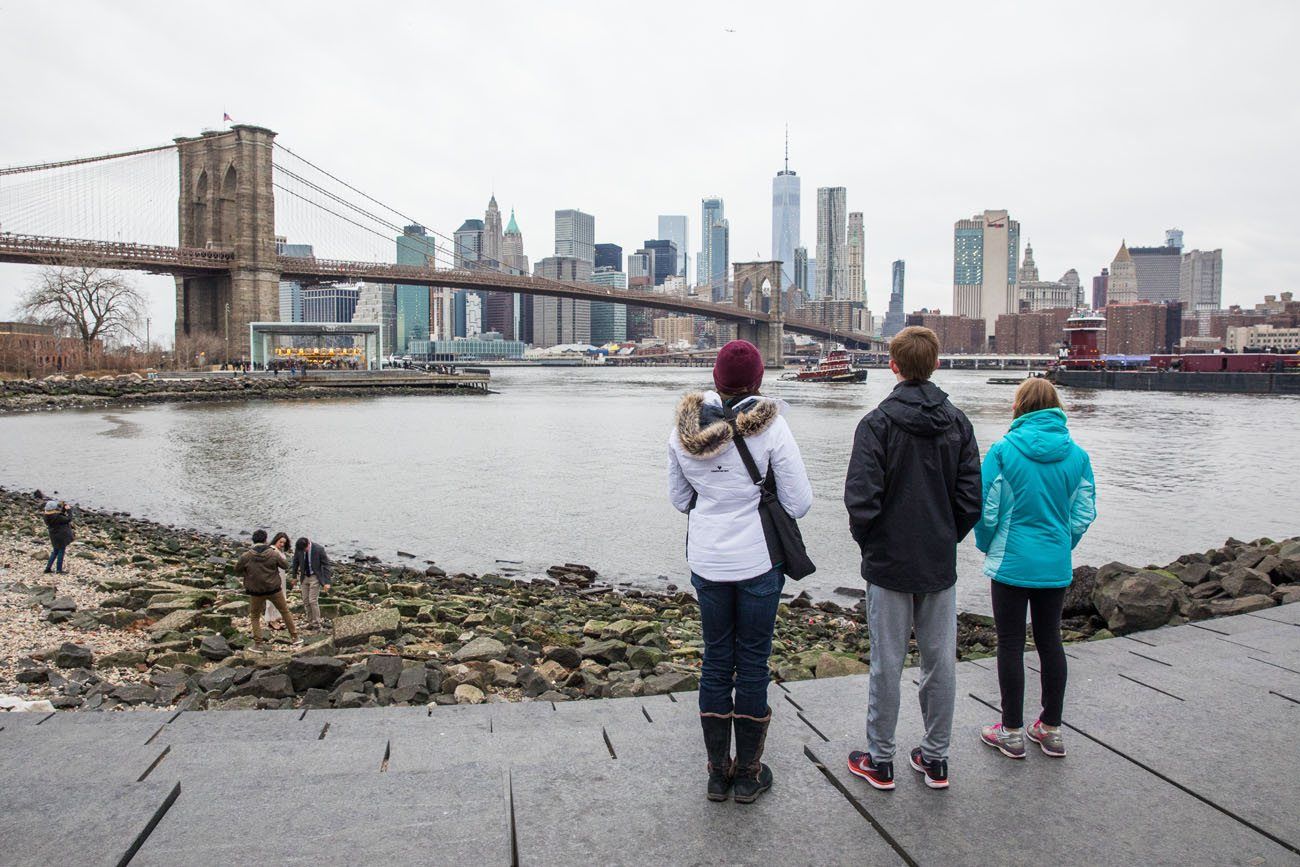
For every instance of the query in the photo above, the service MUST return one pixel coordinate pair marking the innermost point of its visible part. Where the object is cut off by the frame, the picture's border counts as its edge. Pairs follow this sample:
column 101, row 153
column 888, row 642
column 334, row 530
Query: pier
column 1182, row 750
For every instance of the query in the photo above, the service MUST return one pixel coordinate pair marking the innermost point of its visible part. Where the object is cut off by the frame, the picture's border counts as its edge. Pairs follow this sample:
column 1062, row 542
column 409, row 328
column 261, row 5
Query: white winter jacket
column 724, row 536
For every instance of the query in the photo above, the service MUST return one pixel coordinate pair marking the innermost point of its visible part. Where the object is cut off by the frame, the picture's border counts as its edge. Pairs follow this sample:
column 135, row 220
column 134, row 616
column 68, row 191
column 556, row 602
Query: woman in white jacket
column 738, row 585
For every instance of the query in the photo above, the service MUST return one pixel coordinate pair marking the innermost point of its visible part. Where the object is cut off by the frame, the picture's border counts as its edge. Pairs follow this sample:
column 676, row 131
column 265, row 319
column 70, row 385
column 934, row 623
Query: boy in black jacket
column 913, row 493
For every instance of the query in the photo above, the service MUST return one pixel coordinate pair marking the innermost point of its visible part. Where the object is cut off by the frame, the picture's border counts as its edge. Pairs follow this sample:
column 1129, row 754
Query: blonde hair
column 1035, row 394
column 916, row 352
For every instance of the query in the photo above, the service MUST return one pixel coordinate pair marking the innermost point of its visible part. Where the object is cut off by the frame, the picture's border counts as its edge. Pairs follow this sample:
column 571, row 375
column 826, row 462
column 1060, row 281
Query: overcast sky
column 1092, row 123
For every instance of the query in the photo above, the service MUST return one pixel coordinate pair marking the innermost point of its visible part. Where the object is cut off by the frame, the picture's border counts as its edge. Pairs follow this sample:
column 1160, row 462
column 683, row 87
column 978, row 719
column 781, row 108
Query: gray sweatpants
column 891, row 615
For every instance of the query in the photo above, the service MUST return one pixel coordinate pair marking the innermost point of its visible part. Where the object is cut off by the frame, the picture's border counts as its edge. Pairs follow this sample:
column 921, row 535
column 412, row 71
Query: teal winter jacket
column 1039, row 498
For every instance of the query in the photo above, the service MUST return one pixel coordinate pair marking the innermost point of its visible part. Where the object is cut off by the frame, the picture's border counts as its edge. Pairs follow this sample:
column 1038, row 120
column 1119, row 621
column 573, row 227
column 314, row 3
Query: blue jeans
column 737, row 619
column 57, row 555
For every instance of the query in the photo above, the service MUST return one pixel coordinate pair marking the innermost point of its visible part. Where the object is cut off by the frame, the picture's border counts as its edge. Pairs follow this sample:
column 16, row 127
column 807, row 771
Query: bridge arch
column 224, row 225
column 199, row 211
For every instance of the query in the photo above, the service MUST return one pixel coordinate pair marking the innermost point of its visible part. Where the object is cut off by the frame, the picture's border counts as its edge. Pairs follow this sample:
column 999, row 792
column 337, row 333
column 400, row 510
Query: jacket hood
column 265, row 552
column 919, row 407
column 1041, row 436
column 702, row 426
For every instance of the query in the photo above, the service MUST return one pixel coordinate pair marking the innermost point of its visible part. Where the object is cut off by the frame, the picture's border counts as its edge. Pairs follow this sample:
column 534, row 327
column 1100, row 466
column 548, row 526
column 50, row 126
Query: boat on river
column 837, row 366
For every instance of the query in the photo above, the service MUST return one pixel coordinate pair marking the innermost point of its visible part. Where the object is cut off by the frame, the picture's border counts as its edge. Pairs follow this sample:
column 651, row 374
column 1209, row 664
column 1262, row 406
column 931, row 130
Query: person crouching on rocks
column 260, row 567
column 738, row 585
column 58, row 520
column 1039, row 500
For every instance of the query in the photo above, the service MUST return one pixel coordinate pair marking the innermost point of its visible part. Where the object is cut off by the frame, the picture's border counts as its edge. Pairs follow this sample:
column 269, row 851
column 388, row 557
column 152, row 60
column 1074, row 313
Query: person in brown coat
column 260, row 567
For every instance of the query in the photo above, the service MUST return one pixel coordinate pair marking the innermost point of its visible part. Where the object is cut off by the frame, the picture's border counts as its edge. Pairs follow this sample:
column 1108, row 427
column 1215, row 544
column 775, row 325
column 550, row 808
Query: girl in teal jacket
column 1039, row 499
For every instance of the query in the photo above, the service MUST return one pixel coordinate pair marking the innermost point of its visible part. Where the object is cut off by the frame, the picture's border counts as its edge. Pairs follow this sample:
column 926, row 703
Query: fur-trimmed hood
column 702, row 427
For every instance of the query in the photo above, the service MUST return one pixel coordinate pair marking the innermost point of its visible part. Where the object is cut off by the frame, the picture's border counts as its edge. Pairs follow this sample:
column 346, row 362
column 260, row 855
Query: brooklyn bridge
column 226, row 260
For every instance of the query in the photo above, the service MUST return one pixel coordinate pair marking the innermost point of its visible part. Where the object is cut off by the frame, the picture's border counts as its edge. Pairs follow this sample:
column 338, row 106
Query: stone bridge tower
column 758, row 289
column 227, row 203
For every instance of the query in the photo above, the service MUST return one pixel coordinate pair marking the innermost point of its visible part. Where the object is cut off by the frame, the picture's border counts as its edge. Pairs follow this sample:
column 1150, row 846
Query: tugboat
column 837, row 366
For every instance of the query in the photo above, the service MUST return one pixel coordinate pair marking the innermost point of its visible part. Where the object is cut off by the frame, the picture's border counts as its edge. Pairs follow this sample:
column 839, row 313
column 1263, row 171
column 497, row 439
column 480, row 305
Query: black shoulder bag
column 784, row 541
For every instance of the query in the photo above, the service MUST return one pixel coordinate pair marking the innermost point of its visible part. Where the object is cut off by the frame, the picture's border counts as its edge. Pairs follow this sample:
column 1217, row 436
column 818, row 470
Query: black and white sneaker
column 935, row 770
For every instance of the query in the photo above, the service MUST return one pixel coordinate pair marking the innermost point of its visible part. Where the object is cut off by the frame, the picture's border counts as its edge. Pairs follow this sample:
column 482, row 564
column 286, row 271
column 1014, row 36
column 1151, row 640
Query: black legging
column 1044, row 606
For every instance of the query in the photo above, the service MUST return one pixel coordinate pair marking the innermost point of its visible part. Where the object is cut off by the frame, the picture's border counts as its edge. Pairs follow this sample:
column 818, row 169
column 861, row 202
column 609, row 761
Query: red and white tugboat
column 837, row 366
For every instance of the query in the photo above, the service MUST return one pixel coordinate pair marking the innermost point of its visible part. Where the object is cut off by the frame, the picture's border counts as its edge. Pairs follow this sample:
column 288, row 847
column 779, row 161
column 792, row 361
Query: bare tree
column 92, row 303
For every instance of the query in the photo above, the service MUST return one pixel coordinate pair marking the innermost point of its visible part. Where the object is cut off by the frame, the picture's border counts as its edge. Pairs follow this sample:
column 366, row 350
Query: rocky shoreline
column 151, row 615
column 132, row 389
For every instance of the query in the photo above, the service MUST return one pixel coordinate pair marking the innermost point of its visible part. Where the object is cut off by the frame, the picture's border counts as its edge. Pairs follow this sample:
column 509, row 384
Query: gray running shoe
column 1049, row 740
column 1011, row 743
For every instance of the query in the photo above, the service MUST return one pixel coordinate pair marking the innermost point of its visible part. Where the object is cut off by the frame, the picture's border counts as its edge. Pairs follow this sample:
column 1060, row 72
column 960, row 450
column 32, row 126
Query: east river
column 567, row 465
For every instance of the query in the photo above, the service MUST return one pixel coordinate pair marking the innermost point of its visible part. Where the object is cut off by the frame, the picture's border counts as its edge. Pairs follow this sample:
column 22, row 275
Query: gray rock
column 1244, row 581
column 31, row 672
column 134, row 693
column 644, row 657
column 63, row 603
column 1078, row 596
column 673, row 681
column 481, row 649
column 176, row 621
column 218, row 680
column 1240, row 605
column 604, row 651
column 215, row 648
column 1131, row 600
column 314, row 672
column 1287, row 594
column 569, row 657
column 1192, row 574
column 71, row 655
column 384, row 668
column 359, row 628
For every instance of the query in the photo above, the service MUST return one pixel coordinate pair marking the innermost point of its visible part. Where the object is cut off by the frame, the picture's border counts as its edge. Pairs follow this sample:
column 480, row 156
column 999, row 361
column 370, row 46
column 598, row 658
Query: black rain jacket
column 913, row 489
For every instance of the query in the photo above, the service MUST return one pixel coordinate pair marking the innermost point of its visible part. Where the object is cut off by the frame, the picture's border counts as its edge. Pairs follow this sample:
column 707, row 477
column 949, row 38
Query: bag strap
column 743, row 449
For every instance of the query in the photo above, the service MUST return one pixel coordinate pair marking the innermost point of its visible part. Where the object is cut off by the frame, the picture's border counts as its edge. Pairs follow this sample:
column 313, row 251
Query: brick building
column 957, row 334
column 1136, row 329
column 1039, row 333
column 26, row 347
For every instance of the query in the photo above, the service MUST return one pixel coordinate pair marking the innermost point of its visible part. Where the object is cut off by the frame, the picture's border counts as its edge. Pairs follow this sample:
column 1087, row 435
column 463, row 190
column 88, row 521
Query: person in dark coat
column 58, row 520
column 260, row 567
column 913, row 492
column 313, row 565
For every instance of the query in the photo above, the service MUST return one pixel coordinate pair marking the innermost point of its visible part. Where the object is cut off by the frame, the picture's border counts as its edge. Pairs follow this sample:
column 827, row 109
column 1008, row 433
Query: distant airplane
column 728, row 30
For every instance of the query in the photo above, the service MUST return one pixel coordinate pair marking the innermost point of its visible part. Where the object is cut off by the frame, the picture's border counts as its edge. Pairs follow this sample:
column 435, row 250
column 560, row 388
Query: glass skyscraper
column 832, row 265
column 414, row 247
column 575, row 235
column 675, row 228
column 719, row 259
column 711, row 211
column 785, row 221
column 895, row 317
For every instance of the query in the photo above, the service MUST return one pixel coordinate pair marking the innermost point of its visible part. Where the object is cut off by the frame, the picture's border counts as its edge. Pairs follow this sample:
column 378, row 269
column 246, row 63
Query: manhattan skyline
column 1143, row 135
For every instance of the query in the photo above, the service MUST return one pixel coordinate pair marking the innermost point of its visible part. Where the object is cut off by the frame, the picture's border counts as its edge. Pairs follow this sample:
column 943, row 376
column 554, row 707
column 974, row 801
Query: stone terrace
column 1183, row 750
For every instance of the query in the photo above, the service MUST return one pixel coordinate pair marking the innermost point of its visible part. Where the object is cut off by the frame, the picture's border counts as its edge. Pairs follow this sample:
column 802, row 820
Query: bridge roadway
column 188, row 261
column 620, row 781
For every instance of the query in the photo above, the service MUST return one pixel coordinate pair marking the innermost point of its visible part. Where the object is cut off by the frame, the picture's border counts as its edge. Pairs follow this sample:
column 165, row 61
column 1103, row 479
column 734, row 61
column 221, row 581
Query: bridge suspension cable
column 39, row 167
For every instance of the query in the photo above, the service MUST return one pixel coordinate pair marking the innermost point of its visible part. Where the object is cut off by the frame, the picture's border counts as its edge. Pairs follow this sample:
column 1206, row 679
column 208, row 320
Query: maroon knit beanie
column 739, row 368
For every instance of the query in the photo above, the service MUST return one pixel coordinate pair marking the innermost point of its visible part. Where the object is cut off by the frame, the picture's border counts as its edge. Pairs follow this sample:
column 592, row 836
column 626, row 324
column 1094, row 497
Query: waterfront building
column 26, row 348
column 675, row 330
column 785, row 222
column 1200, row 280
column 608, row 256
column 895, row 317
column 676, row 228
column 499, row 308
column 1122, row 286
column 837, row 314
column 575, row 235
column 958, row 335
column 986, row 249
column 855, row 260
column 1262, row 338
column 665, row 259
column 1100, row 284
column 485, row 347
column 558, row 321
column 711, row 211
column 377, row 302
column 1137, row 328
column 1039, row 333
column 335, row 303
column 832, row 275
